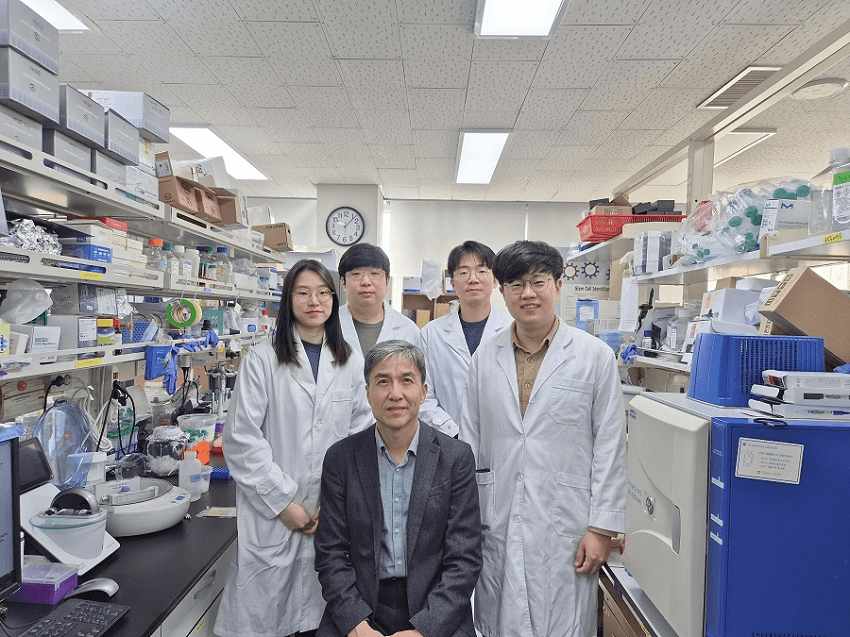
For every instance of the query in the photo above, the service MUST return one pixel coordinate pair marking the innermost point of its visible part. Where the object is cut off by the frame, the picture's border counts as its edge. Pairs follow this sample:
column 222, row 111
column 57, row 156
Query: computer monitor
column 10, row 519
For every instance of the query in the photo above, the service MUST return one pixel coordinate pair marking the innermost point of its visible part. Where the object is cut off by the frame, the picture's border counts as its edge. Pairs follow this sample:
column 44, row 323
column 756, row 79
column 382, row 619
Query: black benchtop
column 155, row 571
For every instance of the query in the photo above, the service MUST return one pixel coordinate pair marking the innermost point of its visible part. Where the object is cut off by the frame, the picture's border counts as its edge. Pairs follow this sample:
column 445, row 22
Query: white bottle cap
column 190, row 455
column 839, row 156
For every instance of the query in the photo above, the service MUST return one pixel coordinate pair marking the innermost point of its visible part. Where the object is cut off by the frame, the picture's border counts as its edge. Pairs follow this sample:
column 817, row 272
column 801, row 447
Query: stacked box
column 142, row 182
column 122, row 139
column 27, row 87
column 20, row 128
column 67, row 150
column 81, row 118
column 140, row 109
column 109, row 169
column 27, row 32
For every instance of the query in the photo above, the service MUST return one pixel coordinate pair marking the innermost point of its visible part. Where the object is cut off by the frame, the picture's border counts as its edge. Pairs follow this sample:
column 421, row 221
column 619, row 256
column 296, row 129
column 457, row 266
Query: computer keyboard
column 78, row 617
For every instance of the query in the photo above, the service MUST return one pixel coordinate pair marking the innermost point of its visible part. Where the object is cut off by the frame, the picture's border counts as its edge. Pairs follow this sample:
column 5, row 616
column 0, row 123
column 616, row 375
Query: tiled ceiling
column 377, row 91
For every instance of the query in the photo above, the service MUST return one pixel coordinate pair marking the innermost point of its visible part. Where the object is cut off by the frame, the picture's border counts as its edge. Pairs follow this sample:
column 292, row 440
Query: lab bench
column 171, row 580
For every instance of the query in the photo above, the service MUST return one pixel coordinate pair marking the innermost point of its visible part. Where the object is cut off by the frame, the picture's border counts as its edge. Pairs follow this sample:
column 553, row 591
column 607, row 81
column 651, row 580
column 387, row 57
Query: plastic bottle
column 189, row 475
column 203, row 263
column 191, row 263
column 184, row 265
column 118, row 339
column 225, row 267
column 173, row 261
column 646, row 341
column 265, row 322
column 839, row 160
column 156, row 257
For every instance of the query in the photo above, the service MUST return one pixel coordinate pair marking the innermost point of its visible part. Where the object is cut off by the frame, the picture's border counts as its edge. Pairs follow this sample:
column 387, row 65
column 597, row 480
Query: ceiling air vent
column 738, row 86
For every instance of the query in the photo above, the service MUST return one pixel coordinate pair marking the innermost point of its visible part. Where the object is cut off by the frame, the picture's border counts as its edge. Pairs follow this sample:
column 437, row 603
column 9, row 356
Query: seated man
column 398, row 547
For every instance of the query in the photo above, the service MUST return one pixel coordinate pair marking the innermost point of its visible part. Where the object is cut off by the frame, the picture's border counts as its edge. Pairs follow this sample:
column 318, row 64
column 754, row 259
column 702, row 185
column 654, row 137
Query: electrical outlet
column 140, row 369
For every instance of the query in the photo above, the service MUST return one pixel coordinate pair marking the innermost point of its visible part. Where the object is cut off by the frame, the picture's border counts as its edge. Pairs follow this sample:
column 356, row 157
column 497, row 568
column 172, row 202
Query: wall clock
column 345, row 226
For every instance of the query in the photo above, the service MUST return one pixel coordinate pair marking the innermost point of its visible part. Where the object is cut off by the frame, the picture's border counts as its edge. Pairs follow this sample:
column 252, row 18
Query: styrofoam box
column 95, row 234
column 140, row 109
column 147, row 156
column 22, row 129
column 104, row 166
column 24, row 29
column 80, row 117
column 66, row 149
column 122, row 139
column 142, row 182
column 27, row 87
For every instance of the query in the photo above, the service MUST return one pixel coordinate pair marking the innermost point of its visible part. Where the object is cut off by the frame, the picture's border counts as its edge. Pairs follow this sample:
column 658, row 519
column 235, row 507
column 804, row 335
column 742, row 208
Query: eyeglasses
column 464, row 274
column 304, row 295
column 374, row 275
column 516, row 288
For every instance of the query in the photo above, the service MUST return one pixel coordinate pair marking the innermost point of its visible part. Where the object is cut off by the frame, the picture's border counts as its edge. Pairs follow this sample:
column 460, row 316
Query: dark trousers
column 391, row 614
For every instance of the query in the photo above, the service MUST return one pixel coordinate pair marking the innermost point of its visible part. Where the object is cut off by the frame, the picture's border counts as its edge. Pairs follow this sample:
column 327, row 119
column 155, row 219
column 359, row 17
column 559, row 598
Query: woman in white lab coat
column 294, row 398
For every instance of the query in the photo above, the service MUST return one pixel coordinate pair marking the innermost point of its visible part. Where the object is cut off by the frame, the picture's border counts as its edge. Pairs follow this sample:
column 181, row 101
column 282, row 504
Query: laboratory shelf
column 201, row 289
column 54, row 268
column 28, row 365
column 616, row 248
column 823, row 248
column 657, row 363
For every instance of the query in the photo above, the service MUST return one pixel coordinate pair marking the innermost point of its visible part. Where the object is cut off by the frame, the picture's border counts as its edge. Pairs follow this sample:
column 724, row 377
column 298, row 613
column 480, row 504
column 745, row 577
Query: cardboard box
column 233, row 206
column 178, row 193
column 805, row 304
column 28, row 88
column 22, row 129
column 618, row 206
column 109, row 169
column 80, row 118
column 84, row 298
column 278, row 237
column 140, row 109
column 208, row 209
column 26, row 31
column 423, row 317
column 122, row 139
column 109, row 222
column 77, row 331
column 41, row 338
column 66, row 149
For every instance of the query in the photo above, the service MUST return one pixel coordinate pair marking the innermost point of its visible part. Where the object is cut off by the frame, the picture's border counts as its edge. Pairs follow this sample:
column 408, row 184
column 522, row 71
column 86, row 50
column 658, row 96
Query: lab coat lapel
column 507, row 363
column 428, row 454
column 370, row 482
column 454, row 335
column 303, row 374
column 557, row 355
column 326, row 373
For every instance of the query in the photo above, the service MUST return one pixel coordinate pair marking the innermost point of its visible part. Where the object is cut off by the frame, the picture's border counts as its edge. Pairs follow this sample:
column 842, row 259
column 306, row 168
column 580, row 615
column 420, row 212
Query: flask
column 839, row 160
column 156, row 257
column 189, row 475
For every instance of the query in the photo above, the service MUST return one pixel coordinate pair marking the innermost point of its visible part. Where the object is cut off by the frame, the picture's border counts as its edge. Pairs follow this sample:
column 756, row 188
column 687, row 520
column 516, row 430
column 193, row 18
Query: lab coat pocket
column 341, row 412
column 572, row 505
column 260, row 532
column 486, row 496
column 570, row 402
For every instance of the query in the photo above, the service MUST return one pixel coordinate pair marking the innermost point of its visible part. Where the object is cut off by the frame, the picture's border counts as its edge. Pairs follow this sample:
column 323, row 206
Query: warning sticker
column 769, row 460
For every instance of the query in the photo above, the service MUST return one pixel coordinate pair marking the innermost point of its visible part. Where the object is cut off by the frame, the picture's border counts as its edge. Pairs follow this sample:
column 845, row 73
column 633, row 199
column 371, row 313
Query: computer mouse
column 99, row 588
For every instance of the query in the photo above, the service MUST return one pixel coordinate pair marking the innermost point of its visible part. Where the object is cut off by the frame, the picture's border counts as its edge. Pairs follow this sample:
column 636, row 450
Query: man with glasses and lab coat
column 450, row 341
column 544, row 415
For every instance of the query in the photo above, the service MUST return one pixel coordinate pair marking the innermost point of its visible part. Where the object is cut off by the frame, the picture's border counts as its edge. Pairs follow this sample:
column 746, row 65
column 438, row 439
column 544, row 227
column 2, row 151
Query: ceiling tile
column 344, row 143
column 214, row 104
column 662, row 108
column 88, row 43
column 604, row 12
column 284, row 124
column 817, row 27
column 590, row 128
column 276, row 10
column 499, row 86
column 209, row 27
column 395, row 192
column 437, row 43
column 297, row 51
column 374, row 120
column 484, row 120
column 277, row 167
column 118, row 72
column 435, row 188
column 567, row 158
column 98, row 10
column 685, row 127
column 509, row 50
column 625, row 144
column 399, row 177
column 252, row 140
column 625, row 83
column 393, row 157
column 75, row 75
column 376, row 74
column 361, row 28
column 378, row 99
column 469, row 192
column 358, row 172
column 183, row 115
column 436, row 11
column 326, row 107
column 549, row 109
column 774, row 12
column 727, row 51
column 436, row 108
column 252, row 81
column 323, row 175
column 578, row 55
column 514, row 171
column 436, row 143
column 435, row 168
column 431, row 74
column 307, row 154
column 530, row 144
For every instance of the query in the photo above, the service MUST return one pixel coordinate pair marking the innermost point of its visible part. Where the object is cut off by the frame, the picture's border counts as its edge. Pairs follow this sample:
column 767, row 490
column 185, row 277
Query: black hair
column 363, row 255
column 527, row 257
column 285, row 343
column 393, row 349
column 482, row 254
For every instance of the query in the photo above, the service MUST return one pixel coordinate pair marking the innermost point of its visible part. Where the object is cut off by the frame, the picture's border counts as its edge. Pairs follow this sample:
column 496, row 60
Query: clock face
column 345, row 226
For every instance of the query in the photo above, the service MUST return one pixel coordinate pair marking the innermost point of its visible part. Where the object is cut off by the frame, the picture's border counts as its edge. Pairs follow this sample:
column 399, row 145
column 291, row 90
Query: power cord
column 56, row 382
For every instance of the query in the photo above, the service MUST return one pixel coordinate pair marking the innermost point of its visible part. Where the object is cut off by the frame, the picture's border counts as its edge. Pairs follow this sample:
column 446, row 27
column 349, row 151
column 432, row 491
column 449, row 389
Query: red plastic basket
column 602, row 227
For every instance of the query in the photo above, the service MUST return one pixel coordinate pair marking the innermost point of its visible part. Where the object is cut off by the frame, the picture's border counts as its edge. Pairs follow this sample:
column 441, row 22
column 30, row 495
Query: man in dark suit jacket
column 398, row 547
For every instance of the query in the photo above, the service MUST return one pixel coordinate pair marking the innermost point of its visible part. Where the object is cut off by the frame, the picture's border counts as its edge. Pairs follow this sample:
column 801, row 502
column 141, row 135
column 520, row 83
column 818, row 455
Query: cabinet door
column 204, row 627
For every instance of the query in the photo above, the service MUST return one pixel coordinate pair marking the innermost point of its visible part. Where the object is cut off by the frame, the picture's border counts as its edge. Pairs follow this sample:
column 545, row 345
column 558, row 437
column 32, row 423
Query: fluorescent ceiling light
column 57, row 15
column 518, row 18
column 479, row 155
column 209, row 144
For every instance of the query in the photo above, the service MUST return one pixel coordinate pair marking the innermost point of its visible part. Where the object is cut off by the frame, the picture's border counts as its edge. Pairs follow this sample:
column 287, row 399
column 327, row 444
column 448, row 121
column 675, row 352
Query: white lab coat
column 543, row 480
column 279, row 425
column 447, row 361
column 396, row 327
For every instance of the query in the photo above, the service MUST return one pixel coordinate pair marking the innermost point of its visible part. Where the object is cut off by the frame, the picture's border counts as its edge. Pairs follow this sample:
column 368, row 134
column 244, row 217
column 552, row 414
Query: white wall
column 300, row 214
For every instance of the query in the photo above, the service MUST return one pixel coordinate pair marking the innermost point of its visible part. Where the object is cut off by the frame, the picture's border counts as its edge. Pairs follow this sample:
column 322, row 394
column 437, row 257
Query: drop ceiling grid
column 399, row 177
column 727, row 51
column 343, row 143
column 361, row 28
column 483, row 120
column 299, row 52
column 499, row 86
column 530, row 144
column 318, row 175
column 277, row 167
column 510, row 50
column 78, row 75
column 378, row 99
column 814, row 29
column 605, row 11
column 211, row 29
column 578, row 55
column 773, row 12
column 435, row 189
column 662, row 108
column 276, row 10
column 136, row 37
column 173, row 70
column 284, row 125
column 358, row 173
column 252, row 81
column 374, row 120
column 120, row 72
column 435, row 168
column 435, row 144
column 387, row 156
column 393, row 192
column 549, row 109
column 436, row 108
column 515, row 172
column 626, row 144
column 251, row 140
column 325, row 107
column 88, row 43
column 567, row 158
column 225, row 113
column 590, row 128
column 307, row 154
column 214, row 104
column 431, row 74
column 684, row 127
column 180, row 115
column 626, row 83
column 98, row 10
column 436, row 11
column 372, row 74
column 445, row 44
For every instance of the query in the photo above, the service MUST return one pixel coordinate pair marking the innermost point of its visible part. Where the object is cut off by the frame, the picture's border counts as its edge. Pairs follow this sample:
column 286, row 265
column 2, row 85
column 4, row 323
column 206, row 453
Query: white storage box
column 40, row 338
column 80, row 117
column 25, row 30
column 66, row 149
column 122, row 139
column 142, row 183
column 111, row 170
column 140, row 109
column 84, row 298
column 77, row 331
column 22, row 129
column 27, row 87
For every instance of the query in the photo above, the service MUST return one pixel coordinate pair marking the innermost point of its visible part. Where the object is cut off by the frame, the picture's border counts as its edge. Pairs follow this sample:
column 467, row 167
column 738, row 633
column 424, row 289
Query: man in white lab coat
column 450, row 341
column 544, row 415
column 364, row 272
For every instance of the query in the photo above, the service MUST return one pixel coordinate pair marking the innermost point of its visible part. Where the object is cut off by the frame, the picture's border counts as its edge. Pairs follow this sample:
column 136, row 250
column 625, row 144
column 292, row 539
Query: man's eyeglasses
column 538, row 284
column 304, row 295
column 464, row 274
column 374, row 275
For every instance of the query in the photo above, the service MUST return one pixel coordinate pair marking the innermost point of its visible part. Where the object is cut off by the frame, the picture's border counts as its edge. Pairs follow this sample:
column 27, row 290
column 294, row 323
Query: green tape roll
column 183, row 313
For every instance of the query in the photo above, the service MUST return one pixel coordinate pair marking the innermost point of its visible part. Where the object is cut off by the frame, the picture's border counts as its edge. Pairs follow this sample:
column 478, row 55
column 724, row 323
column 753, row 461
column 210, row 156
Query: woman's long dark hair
column 285, row 344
